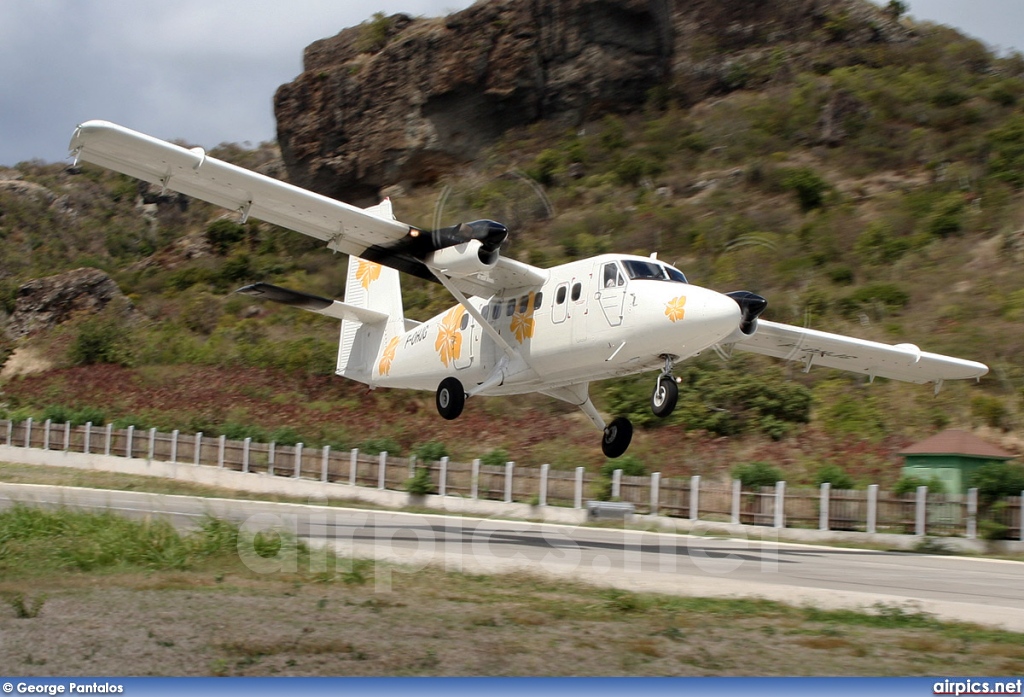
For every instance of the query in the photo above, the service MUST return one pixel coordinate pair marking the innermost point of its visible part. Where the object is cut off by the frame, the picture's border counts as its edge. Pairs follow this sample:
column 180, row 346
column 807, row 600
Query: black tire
column 450, row 398
column 617, row 436
column 666, row 394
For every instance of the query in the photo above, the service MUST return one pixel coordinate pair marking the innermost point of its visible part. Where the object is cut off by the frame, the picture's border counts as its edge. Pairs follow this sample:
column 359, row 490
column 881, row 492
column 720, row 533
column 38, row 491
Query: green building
column 952, row 456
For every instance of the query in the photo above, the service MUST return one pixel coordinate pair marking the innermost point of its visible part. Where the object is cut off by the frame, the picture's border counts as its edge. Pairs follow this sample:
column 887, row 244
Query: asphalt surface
column 986, row 591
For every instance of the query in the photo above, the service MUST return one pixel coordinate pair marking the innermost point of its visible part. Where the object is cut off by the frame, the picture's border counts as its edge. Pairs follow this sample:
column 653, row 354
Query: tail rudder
column 377, row 288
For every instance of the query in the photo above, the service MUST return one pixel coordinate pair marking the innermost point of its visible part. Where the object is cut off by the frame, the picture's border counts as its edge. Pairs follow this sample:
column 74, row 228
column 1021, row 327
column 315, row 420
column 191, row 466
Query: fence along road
column 953, row 516
column 977, row 590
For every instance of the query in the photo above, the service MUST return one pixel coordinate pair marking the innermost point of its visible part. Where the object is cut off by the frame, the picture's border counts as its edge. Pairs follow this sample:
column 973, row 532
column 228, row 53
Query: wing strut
column 480, row 319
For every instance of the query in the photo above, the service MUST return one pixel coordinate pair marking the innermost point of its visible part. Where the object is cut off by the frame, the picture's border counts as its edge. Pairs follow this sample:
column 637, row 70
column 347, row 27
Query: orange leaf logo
column 675, row 309
column 367, row 272
column 449, row 336
column 388, row 357
column 523, row 324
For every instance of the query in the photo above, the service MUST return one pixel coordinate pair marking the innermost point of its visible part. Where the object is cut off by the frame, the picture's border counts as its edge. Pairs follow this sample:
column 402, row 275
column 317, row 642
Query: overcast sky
column 206, row 70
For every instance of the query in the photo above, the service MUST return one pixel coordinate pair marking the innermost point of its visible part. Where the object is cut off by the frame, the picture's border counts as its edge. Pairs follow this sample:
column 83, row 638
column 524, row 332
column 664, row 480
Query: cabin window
column 650, row 270
column 577, row 291
column 560, row 294
column 524, row 303
column 537, row 299
column 510, row 308
column 465, row 322
column 496, row 310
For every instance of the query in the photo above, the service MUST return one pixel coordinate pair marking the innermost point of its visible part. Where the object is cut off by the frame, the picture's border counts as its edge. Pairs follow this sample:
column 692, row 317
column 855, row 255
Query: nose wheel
column 666, row 391
column 617, row 436
column 451, row 398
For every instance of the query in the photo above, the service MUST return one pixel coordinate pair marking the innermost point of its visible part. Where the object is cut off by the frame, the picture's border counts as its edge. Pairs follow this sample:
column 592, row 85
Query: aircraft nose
column 721, row 314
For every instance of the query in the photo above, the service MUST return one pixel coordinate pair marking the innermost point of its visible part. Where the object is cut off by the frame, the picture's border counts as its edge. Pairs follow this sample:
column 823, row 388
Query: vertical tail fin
column 374, row 287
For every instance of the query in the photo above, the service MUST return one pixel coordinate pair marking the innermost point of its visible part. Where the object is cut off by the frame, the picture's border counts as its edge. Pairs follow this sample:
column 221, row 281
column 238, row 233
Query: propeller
column 751, row 307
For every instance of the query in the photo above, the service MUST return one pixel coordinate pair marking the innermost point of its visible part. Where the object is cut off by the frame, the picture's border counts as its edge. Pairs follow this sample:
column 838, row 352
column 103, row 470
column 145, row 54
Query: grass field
column 88, row 593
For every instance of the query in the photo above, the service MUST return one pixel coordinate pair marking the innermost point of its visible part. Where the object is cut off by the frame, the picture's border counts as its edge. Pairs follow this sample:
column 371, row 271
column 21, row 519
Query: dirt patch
column 25, row 361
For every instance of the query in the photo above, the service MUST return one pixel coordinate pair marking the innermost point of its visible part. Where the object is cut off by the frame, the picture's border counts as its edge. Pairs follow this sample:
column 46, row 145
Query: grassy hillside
column 874, row 191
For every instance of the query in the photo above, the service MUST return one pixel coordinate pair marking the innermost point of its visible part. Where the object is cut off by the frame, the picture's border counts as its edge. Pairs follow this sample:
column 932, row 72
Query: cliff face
column 403, row 100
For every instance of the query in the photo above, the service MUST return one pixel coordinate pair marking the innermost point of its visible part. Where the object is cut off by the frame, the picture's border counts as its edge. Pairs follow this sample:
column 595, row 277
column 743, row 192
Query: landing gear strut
column 451, row 398
column 666, row 391
column 617, row 436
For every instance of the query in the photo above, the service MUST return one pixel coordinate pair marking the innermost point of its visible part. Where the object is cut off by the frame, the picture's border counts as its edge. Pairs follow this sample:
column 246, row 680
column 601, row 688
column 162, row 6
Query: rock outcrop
column 402, row 100
column 46, row 302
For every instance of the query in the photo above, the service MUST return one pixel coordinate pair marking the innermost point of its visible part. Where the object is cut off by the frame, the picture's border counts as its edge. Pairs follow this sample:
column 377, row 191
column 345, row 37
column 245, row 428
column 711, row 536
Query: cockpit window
column 650, row 270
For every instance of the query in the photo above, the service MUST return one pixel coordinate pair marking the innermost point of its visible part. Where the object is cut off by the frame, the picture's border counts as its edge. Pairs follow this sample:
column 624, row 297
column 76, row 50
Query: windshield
column 650, row 270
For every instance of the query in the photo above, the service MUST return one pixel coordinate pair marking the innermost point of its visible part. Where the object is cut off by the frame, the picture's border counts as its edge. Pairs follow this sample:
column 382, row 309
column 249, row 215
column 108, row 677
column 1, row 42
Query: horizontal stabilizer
column 313, row 303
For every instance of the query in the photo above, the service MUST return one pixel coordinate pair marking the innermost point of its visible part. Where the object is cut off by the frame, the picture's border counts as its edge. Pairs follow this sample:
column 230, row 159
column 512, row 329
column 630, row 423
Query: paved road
column 978, row 590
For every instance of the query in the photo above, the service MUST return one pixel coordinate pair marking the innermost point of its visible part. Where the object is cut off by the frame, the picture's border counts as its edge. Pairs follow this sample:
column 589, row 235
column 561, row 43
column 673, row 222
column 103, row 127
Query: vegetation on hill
column 873, row 190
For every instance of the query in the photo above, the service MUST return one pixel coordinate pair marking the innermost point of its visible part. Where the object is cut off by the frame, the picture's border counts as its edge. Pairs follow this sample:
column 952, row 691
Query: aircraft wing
column 345, row 228
column 904, row 362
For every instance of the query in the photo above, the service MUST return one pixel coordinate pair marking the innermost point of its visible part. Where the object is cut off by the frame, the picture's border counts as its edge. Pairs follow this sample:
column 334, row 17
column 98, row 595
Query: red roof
column 954, row 442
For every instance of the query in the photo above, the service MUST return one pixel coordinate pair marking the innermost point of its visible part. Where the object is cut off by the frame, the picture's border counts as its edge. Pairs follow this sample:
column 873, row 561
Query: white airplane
column 515, row 328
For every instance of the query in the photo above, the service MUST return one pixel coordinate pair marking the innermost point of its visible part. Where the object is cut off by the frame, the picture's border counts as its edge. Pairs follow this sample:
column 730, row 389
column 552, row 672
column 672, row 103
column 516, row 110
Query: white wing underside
column 343, row 227
column 813, row 348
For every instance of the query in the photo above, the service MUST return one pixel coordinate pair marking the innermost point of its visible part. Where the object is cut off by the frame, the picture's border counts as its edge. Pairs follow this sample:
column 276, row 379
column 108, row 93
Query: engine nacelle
column 463, row 259
column 746, row 329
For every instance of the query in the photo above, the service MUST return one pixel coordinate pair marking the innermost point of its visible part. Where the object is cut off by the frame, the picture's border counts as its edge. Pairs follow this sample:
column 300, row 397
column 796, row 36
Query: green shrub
column 101, row 339
column 757, row 474
column 991, row 411
column 420, row 484
column 807, row 185
column 997, row 480
column 495, row 458
column 431, row 451
column 223, row 234
column 630, row 466
column 375, row 446
column 835, row 475
column 908, row 484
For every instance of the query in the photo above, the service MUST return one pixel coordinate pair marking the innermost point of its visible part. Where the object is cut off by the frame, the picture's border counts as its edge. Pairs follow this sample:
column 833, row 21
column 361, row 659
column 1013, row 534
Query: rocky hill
column 861, row 171
column 401, row 100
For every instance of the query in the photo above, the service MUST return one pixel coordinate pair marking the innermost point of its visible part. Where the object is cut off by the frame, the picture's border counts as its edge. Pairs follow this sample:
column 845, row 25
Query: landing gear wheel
column 617, row 436
column 666, row 393
column 451, row 398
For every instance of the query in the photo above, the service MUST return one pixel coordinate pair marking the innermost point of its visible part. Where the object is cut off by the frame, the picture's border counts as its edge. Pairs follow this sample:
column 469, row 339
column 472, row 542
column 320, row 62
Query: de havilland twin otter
column 515, row 328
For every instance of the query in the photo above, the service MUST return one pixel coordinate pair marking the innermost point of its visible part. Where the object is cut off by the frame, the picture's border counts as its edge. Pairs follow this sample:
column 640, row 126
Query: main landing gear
column 617, row 436
column 451, row 398
column 666, row 391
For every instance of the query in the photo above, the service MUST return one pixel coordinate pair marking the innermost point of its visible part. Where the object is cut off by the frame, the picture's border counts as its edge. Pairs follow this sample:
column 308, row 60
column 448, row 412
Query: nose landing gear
column 666, row 391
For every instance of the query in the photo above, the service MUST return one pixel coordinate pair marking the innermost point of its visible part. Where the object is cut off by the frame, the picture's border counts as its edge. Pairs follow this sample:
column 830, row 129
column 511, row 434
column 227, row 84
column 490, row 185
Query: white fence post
column 28, row 432
column 972, row 514
column 246, row 445
column 353, row 465
column 298, row 461
column 474, row 491
column 442, row 487
column 199, row 446
column 382, row 470
column 10, row 431
column 655, row 492
column 780, row 505
column 921, row 510
column 46, row 434
column 823, row 512
column 67, row 436
column 412, row 466
column 221, row 444
column 695, row 497
column 872, row 523
column 271, row 454
column 325, row 463
column 617, row 484
column 86, row 439
column 110, row 439
column 542, row 497
column 577, row 499
column 1020, row 516
column 174, row 446
column 130, row 436
column 737, row 490
column 509, row 469
column 152, row 444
